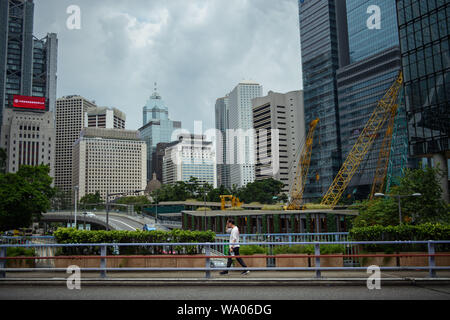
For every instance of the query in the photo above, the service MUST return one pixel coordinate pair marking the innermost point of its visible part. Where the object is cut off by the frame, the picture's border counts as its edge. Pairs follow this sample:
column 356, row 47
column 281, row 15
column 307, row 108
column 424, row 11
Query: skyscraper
column 71, row 112
column 324, row 46
column 222, row 125
column 278, row 120
column 374, row 64
column 424, row 28
column 240, row 140
column 156, row 127
column 28, row 65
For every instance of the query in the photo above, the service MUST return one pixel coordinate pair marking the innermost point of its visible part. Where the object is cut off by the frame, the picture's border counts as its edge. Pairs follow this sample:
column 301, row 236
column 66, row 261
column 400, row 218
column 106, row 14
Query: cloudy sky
column 196, row 50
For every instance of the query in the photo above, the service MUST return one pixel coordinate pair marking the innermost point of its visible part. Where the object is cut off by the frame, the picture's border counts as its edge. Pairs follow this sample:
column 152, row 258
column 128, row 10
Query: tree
column 61, row 200
column 3, row 158
column 262, row 191
column 137, row 201
column 24, row 195
column 429, row 207
column 91, row 198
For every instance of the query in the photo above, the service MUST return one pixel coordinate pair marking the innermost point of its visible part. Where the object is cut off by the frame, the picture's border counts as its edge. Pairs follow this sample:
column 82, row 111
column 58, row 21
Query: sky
column 196, row 51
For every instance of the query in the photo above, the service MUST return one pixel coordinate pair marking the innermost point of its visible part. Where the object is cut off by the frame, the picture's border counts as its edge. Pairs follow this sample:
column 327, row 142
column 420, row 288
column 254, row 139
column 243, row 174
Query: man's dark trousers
column 236, row 253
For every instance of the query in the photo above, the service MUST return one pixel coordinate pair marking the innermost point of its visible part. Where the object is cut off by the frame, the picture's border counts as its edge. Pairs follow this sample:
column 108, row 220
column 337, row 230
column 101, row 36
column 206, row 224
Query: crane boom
column 363, row 144
column 301, row 175
column 379, row 180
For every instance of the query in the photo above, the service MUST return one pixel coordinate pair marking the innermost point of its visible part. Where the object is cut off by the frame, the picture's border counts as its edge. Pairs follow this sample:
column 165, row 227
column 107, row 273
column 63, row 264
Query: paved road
column 224, row 293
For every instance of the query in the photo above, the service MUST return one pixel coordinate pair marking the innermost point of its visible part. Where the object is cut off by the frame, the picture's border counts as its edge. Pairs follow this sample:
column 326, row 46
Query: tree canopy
column 429, row 207
column 24, row 195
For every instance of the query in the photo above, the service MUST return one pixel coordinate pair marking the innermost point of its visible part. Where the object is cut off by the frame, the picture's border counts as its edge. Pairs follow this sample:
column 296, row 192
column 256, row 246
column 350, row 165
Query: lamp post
column 76, row 200
column 399, row 196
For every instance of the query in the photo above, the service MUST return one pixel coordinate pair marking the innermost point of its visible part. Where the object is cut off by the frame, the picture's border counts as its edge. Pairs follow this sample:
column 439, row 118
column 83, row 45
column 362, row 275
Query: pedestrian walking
column 234, row 247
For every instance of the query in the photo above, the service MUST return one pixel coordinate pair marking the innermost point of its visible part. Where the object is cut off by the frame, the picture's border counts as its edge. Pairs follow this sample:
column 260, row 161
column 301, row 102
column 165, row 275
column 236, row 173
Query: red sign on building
column 29, row 102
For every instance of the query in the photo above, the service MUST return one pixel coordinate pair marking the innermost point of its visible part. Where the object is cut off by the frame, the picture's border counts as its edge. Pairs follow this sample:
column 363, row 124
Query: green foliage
column 91, row 198
column 332, row 248
column 70, row 235
column 422, row 232
column 429, row 207
column 294, row 249
column 252, row 249
column 24, row 195
column 405, row 232
column 262, row 191
column 20, row 252
column 137, row 201
column 272, row 207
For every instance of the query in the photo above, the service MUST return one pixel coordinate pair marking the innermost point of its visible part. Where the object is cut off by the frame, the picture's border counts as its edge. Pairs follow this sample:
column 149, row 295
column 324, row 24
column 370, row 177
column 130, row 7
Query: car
column 90, row 214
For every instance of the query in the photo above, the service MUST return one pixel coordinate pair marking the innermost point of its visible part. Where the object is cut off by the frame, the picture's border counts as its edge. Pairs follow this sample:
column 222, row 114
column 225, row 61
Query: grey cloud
column 196, row 50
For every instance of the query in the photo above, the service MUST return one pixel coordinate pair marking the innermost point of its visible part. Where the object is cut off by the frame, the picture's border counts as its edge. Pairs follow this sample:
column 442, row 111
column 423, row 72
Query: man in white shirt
column 234, row 248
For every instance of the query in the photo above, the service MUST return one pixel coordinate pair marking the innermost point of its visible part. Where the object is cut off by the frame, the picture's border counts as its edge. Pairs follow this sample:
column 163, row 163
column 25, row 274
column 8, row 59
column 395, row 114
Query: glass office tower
column 158, row 128
column 424, row 28
column 320, row 27
column 374, row 64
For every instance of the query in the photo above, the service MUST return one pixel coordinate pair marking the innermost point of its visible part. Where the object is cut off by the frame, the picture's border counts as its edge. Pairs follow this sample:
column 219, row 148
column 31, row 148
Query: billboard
column 26, row 102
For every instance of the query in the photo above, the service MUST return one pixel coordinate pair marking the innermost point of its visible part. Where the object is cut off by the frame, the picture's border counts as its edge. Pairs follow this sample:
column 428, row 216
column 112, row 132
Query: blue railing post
column 208, row 261
column 103, row 261
column 431, row 259
column 317, row 252
column 2, row 261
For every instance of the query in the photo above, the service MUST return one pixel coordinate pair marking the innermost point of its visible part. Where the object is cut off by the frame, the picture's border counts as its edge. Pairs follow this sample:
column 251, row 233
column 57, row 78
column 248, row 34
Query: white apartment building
column 104, row 117
column 190, row 156
column 279, row 123
column 240, row 140
column 109, row 160
column 70, row 120
column 28, row 138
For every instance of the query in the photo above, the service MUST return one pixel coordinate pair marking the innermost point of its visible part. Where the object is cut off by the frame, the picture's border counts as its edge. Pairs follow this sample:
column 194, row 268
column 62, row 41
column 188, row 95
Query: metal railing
column 206, row 249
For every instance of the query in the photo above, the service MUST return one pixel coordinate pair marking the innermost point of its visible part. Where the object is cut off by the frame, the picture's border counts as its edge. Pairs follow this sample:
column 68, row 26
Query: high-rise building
column 45, row 63
column 28, row 136
column 107, row 118
column 278, row 120
column 156, row 127
column 222, row 125
column 71, row 112
column 240, row 139
column 424, row 38
column 28, row 65
column 324, row 46
column 109, row 160
column 374, row 64
column 191, row 156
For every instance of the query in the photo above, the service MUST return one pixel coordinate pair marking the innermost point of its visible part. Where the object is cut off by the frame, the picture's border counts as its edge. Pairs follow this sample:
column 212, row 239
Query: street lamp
column 76, row 200
column 399, row 196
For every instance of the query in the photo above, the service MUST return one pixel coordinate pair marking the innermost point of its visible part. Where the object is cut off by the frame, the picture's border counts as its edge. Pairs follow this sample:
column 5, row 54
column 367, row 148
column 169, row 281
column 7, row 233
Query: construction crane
column 377, row 120
column 379, row 181
column 298, row 184
column 399, row 148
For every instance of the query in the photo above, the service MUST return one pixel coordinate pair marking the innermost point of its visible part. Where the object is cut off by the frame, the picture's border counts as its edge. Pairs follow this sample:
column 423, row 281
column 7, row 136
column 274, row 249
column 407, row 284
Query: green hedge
column 309, row 249
column 405, row 232
column 69, row 235
column 252, row 249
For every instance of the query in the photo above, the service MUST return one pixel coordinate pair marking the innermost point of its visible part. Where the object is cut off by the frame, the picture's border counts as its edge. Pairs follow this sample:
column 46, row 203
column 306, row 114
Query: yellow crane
column 379, row 180
column 298, row 185
column 378, row 118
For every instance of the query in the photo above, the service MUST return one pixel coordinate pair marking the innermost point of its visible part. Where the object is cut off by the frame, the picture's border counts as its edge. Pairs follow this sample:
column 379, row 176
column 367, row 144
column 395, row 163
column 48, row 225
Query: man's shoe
column 224, row 273
column 245, row 273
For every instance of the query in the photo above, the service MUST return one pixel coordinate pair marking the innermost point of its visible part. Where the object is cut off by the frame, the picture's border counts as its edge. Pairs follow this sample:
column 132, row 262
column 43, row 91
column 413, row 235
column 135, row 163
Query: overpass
column 117, row 221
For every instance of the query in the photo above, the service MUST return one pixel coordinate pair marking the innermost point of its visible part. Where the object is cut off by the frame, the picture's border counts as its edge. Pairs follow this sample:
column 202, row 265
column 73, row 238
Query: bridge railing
column 202, row 262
